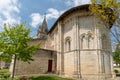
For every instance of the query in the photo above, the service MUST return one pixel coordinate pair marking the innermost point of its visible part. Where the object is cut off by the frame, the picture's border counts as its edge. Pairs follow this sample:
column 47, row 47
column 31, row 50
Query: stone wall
column 86, row 47
column 39, row 65
column 2, row 64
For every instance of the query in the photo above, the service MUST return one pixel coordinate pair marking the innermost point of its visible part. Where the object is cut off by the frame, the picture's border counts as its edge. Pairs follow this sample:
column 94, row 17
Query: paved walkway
column 118, row 78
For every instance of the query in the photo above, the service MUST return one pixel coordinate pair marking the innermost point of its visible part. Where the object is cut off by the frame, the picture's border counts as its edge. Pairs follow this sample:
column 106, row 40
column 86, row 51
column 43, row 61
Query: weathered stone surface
column 39, row 65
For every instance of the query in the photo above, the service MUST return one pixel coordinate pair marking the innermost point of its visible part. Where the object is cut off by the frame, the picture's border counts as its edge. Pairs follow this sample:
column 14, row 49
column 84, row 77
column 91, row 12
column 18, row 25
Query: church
column 77, row 46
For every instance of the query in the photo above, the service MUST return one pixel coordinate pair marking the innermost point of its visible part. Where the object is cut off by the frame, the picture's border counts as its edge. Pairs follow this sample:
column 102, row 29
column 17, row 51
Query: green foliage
column 42, row 77
column 106, row 10
column 116, row 55
column 4, row 77
column 4, row 74
column 14, row 41
column 116, row 71
column 48, row 77
column 117, row 75
column 2, row 71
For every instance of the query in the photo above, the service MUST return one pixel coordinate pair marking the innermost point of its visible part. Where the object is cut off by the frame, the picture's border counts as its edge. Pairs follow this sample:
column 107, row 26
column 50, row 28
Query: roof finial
column 45, row 15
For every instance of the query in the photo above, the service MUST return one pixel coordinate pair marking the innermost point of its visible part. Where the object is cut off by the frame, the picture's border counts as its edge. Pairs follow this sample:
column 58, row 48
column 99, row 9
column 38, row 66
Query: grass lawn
column 42, row 77
column 4, row 75
column 47, row 77
column 4, row 71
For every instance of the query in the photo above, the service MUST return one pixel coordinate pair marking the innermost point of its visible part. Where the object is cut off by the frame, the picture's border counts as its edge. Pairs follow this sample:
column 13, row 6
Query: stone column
column 77, row 72
column 98, row 49
column 112, row 68
column 75, row 50
column 60, row 50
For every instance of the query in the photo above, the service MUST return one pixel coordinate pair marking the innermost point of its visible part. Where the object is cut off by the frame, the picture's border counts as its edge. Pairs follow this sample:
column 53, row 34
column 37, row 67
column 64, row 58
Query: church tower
column 42, row 30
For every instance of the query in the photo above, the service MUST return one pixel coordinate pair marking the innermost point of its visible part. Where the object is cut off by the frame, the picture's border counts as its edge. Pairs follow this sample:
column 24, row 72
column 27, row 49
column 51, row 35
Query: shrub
column 4, row 74
column 118, row 75
column 116, row 71
column 23, row 78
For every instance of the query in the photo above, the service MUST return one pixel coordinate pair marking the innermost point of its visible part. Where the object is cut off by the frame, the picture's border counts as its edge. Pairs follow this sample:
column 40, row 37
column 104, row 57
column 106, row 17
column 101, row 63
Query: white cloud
column 9, row 9
column 37, row 18
column 77, row 2
column 53, row 13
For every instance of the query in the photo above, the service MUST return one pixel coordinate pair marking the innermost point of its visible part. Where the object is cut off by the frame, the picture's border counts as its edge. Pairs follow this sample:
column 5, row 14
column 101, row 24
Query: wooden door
column 49, row 65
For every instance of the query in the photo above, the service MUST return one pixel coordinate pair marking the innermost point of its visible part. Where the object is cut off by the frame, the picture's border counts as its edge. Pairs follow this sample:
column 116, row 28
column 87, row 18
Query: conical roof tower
column 42, row 30
column 44, row 25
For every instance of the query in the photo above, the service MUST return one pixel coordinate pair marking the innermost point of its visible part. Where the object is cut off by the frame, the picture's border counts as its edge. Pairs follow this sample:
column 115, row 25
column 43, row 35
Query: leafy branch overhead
column 14, row 41
column 106, row 10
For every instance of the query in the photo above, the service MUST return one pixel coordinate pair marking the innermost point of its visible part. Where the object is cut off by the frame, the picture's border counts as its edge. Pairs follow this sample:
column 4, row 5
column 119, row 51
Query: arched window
column 87, row 41
column 90, row 42
column 83, row 41
column 67, row 44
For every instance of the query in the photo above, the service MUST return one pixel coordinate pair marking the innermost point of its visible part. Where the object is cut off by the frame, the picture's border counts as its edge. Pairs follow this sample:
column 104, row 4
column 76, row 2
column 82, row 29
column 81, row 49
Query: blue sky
column 32, row 11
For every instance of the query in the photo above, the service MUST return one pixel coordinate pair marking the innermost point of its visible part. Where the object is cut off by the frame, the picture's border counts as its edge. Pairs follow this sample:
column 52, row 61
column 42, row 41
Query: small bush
column 116, row 71
column 4, row 74
column 118, row 75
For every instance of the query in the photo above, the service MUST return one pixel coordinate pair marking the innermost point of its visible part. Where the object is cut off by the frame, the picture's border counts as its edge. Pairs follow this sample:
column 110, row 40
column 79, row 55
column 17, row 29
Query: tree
column 14, row 42
column 116, row 55
column 108, row 12
column 116, row 44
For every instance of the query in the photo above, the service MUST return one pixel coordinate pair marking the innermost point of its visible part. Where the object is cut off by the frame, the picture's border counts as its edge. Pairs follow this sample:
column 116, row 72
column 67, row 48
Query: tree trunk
column 13, row 70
